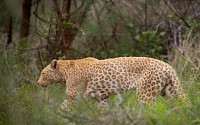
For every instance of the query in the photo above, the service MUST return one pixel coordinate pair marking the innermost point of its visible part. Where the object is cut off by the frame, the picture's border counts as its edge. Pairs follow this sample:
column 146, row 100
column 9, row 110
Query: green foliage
column 23, row 102
column 149, row 44
column 193, row 23
column 130, row 43
column 111, row 33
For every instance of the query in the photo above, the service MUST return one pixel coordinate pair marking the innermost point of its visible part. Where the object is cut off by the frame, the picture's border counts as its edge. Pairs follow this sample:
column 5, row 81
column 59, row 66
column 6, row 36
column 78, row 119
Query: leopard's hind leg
column 168, row 91
column 148, row 93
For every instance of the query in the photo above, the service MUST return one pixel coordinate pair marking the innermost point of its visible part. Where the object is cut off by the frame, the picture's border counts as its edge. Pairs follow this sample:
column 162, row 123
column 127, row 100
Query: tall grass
column 22, row 102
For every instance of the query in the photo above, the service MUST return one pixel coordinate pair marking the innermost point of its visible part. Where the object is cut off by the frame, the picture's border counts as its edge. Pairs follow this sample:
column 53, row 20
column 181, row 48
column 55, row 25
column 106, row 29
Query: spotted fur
column 98, row 79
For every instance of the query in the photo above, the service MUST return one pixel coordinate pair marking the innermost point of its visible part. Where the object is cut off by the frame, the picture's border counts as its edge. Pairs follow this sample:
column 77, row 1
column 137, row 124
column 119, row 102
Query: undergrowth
column 23, row 102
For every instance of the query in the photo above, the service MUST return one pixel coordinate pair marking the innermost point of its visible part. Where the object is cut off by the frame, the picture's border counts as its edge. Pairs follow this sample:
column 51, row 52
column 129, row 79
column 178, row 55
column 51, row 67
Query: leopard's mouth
column 44, row 85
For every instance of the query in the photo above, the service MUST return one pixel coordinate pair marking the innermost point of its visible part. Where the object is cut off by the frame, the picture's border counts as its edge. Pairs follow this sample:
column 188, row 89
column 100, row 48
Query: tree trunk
column 9, row 31
column 25, row 21
column 68, row 37
column 66, row 31
column 68, row 25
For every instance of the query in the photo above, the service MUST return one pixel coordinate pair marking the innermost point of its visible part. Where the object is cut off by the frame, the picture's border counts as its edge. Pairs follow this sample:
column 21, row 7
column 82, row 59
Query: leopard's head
column 50, row 74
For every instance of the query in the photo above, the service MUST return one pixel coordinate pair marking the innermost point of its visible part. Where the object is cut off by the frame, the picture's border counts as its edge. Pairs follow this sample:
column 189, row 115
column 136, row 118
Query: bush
column 23, row 102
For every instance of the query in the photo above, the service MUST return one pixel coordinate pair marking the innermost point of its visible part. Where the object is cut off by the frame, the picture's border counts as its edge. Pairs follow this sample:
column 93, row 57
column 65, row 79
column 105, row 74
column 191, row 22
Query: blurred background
column 33, row 32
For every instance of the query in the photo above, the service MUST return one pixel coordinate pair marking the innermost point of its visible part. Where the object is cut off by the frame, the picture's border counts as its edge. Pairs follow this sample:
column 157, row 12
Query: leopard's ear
column 54, row 64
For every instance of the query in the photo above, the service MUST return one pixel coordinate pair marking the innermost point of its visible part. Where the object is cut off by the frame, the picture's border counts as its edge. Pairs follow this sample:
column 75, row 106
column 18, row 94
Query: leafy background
column 166, row 30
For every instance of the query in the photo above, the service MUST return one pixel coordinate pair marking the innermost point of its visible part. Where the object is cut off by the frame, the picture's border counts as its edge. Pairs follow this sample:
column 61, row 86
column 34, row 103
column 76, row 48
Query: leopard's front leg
column 69, row 102
column 103, row 104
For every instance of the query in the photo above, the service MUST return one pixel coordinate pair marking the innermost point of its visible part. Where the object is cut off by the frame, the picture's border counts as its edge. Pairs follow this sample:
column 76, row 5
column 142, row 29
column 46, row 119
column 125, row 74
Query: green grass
column 22, row 102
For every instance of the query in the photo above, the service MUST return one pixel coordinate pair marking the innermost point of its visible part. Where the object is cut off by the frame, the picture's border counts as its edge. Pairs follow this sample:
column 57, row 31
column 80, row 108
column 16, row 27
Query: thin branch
column 126, row 3
column 49, row 34
column 75, row 4
column 67, row 9
column 85, row 12
column 82, row 3
column 57, row 9
column 39, row 34
column 32, row 49
column 40, row 58
column 157, row 27
column 177, row 14
column 145, row 18
column 1, row 1
column 188, row 7
column 36, row 15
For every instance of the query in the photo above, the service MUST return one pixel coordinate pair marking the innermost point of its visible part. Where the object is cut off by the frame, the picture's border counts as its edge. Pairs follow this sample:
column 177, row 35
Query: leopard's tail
column 175, row 82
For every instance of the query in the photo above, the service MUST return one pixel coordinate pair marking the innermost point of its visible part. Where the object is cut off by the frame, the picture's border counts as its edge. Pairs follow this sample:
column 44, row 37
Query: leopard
column 99, row 79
